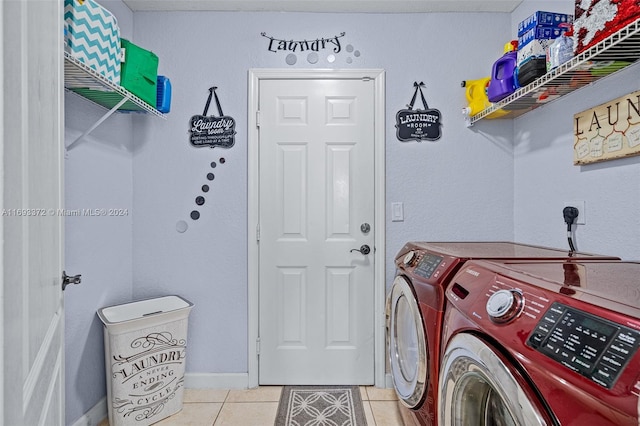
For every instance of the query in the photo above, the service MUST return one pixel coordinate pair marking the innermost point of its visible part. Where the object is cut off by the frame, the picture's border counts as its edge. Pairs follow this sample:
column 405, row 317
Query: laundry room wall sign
column 277, row 45
column 419, row 124
column 608, row 131
column 312, row 49
column 210, row 131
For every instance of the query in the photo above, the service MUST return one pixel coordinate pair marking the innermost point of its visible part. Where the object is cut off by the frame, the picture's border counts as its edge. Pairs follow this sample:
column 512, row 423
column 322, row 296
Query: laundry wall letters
column 608, row 131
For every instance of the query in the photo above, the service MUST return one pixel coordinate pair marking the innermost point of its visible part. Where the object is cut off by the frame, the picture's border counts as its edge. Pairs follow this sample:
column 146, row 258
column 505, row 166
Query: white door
column 32, row 136
column 316, row 194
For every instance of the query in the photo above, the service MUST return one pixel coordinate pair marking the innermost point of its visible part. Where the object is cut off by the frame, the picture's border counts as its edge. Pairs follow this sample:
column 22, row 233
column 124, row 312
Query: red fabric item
column 595, row 23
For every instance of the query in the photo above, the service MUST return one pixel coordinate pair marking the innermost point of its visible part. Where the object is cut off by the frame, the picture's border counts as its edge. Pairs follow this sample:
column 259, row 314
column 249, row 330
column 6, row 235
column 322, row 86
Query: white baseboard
column 95, row 415
column 191, row 381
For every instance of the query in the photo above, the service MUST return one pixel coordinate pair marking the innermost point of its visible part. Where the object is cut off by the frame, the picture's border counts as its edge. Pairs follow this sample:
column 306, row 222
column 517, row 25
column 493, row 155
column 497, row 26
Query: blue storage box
column 163, row 100
column 539, row 33
column 542, row 18
column 92, row 36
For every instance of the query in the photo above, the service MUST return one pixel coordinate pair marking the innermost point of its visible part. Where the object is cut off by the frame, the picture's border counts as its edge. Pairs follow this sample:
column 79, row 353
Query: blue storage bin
column 542, row 18
column 163, row 100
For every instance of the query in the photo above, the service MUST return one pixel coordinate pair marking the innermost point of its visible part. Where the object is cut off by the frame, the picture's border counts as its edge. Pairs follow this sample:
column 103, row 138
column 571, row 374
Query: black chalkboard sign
column 211, row 131
column 419, row 124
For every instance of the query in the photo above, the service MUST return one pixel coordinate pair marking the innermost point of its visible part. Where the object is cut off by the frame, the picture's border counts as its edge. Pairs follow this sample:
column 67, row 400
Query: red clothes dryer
column 541, row 344
column 415, row 310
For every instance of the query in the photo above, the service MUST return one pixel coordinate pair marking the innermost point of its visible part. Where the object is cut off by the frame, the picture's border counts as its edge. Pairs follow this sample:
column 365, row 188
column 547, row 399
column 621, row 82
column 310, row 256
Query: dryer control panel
column 594, row 347
column 427, row 265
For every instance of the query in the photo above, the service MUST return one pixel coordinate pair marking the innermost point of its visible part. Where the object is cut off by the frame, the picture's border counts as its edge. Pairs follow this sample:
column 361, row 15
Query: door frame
column 253, row 210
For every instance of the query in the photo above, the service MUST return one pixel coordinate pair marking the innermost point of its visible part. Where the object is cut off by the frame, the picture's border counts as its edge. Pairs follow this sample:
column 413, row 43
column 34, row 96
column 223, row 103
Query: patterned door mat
column 320, row 405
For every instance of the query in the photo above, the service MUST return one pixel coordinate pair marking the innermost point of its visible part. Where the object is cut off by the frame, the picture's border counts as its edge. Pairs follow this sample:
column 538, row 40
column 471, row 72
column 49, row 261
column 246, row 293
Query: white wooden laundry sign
column 608, row 131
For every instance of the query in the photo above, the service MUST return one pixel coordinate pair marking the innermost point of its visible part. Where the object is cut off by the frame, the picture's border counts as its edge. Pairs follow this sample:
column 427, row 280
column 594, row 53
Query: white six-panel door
column 32, row 159
column 316, row 294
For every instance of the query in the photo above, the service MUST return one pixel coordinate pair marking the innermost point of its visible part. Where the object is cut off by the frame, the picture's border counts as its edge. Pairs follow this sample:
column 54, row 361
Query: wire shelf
column 91, row 85
column 622, row 48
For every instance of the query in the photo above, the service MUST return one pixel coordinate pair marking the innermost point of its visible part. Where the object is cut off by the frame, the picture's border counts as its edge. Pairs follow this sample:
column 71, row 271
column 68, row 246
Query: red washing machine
column 541, row 344
column 415, row 309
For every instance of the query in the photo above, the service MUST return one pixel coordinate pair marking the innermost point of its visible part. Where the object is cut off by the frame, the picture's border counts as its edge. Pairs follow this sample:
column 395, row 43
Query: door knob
column 365, row 228
column 67, row 279
column 364, row 249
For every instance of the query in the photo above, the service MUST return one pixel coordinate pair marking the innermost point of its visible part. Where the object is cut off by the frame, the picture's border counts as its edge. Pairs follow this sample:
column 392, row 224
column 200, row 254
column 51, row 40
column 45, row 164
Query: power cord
column 570, row 214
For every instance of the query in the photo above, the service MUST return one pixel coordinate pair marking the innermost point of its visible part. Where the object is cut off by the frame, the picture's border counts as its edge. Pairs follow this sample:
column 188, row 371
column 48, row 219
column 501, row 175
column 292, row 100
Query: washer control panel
column 594, row 347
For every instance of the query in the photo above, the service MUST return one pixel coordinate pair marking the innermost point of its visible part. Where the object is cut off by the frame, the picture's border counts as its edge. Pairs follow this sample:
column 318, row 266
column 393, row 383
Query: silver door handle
column 364, row 249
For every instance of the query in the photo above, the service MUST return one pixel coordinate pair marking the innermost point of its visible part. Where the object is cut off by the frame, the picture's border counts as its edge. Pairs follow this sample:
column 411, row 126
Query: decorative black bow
column 419, row 87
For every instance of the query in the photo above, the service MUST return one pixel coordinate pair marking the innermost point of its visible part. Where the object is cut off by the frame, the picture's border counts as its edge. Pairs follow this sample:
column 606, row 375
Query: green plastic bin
column 139, row 72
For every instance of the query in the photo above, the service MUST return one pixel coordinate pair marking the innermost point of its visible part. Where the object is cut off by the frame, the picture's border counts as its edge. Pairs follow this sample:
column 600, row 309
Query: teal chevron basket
column 92, row 35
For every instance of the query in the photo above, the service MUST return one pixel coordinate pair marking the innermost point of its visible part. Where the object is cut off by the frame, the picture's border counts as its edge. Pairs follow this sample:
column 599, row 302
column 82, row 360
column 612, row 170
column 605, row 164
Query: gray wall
column 445, row 185
column 98, row 174
column 545, row 177
column 544, row 172
column 498, row 180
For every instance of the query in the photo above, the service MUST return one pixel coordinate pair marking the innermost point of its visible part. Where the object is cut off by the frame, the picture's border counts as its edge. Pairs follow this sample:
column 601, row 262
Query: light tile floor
column 258, row 407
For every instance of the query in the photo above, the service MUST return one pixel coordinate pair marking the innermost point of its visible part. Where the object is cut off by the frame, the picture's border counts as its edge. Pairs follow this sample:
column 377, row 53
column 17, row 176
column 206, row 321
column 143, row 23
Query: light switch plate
column 397, row 212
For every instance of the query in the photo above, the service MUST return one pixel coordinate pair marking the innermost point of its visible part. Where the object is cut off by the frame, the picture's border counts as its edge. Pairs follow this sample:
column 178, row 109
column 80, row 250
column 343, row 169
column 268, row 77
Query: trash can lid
column 142, row 308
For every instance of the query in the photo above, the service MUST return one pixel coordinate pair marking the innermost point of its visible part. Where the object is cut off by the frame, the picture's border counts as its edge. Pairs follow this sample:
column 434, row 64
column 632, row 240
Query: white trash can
column 145, row 346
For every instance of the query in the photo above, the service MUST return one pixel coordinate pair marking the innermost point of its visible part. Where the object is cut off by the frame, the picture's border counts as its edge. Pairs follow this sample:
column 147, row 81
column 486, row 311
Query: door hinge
column 258, row 118
column 258, row 346
column 257, row 233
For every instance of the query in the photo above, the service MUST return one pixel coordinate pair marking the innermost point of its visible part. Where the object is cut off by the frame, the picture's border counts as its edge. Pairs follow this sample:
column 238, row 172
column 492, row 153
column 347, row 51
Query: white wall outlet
column 582, row 217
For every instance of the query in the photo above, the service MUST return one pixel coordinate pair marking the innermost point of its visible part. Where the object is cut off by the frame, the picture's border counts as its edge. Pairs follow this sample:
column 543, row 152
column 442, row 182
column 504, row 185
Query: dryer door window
column 407, row 344
column 478, row 388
